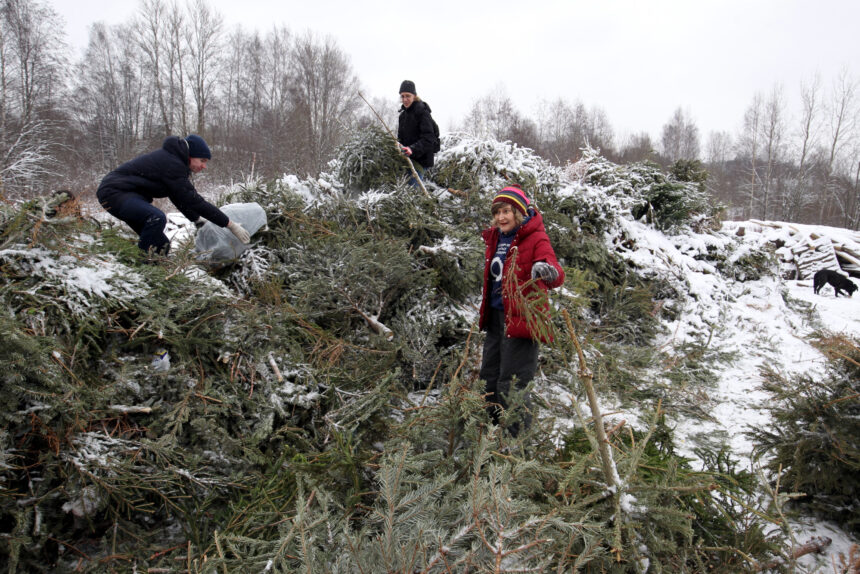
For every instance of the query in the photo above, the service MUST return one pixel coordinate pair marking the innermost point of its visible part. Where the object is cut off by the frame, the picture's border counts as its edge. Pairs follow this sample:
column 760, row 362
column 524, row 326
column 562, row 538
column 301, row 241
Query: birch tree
column 773, row 134
column 748, row 148
column 841, row 132
column 798, row 194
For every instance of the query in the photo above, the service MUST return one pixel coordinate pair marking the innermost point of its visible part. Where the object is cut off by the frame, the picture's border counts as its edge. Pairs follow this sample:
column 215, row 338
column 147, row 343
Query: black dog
column 839, row 282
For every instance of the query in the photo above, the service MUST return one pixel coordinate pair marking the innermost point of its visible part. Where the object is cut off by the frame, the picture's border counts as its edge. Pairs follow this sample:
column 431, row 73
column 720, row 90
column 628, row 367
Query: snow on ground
column 759, row 328
column 77, row 281
column 753, row 323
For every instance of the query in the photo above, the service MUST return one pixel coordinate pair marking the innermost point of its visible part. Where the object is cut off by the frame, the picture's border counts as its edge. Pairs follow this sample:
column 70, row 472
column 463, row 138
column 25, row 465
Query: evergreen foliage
column 369, row 159
column 690, row 170
column 322, row 410
column 667, row 201
column 468, row 164
column 812, row 447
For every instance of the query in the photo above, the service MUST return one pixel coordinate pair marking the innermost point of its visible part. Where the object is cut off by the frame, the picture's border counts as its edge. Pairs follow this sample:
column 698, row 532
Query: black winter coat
column 415, row 129
column 161, row 173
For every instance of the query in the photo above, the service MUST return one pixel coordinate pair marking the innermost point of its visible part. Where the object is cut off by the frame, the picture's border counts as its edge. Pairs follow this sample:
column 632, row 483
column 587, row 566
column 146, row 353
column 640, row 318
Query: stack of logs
column 814, row 251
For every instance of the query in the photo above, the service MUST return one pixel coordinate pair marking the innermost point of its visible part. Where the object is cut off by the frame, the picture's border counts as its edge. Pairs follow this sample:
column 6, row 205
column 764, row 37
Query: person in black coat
column 415, row 130
column 127, row 192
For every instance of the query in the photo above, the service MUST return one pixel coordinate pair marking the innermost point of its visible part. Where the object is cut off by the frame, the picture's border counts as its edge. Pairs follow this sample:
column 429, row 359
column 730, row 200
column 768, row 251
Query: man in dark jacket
column 415, row 130
column 127, row 192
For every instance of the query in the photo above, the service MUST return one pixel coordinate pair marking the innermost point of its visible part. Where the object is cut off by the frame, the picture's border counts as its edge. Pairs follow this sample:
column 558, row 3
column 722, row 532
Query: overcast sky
column 637, row 60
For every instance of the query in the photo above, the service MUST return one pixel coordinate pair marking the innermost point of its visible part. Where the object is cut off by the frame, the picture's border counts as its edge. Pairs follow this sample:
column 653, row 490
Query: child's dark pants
column 504, row 360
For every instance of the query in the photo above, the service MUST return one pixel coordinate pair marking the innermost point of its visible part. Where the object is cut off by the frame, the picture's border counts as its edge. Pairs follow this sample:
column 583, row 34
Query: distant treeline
column 280, row 102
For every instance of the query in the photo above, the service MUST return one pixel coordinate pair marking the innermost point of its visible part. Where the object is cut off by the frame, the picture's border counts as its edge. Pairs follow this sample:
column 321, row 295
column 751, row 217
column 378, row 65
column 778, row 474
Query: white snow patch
column 79, row 281
column 750, row 322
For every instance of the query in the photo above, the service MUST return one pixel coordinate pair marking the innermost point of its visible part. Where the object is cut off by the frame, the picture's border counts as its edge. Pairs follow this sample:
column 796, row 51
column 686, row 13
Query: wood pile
column 814, row 249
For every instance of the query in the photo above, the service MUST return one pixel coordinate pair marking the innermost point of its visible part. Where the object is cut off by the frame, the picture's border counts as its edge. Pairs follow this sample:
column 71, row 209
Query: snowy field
column 753, row 323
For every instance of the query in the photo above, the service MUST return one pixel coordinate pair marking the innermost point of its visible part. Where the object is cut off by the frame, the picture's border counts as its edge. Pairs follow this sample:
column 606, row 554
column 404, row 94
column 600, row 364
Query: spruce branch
column 639, row 449
column 586, row 376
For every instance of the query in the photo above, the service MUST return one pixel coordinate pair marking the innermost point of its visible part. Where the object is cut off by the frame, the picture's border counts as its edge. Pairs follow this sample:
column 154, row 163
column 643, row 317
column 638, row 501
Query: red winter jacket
column 531, row 244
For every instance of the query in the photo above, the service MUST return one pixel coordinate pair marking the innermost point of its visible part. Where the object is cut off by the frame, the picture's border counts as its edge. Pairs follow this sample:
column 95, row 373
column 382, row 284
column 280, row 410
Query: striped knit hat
column 514, row 196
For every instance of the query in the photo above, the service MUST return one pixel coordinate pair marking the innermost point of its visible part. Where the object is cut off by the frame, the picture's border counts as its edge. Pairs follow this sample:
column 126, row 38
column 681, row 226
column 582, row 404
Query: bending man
column 127, row 192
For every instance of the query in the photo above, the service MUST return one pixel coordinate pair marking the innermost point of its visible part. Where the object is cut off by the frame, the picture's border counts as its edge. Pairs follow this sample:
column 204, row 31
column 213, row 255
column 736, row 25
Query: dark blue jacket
column 415, row 129
column 161, row 173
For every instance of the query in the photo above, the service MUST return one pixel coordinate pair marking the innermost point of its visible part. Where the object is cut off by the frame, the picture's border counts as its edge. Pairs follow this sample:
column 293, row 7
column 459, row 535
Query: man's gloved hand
column 407, row 151
column 545, row 271
column 239, row 232
column 199, row 222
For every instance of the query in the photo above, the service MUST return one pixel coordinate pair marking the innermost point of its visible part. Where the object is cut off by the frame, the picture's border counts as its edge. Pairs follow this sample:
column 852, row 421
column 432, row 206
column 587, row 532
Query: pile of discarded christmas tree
column 314, row 404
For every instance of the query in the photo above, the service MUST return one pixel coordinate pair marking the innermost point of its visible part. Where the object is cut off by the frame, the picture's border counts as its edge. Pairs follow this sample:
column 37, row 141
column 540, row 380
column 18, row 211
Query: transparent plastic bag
column 217, row 245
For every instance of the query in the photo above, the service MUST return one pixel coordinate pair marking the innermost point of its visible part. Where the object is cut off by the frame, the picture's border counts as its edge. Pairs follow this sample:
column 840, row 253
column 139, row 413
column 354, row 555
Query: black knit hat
column 197, row 147
column 407, row 86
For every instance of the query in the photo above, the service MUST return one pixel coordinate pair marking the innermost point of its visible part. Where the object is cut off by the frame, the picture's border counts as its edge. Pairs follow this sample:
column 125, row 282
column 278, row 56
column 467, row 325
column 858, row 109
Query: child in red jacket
column 511, row 345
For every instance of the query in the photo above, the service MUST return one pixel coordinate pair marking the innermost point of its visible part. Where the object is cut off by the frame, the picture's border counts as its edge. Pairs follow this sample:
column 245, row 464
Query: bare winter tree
column 160, row 32
column 718, row 154
column 719, row 148
column 842, row 127
column 599, row 132
column 680, row 138
column 279, row 145
column 177, row 32
column 798, row 192
column 772, row 137
column 854, row 206
column 748, row 148
column 524, row 132
column 206, row 28
column 495, row 116
column 112, row 100
column 637, row 147
column 32, row 75
column 241, row 83
column 556, row 131
column 325, row 95
column 564, row 129
column 239, row 120
column 491, row 116
column 387, row 108
column 151, row 36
